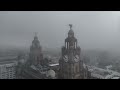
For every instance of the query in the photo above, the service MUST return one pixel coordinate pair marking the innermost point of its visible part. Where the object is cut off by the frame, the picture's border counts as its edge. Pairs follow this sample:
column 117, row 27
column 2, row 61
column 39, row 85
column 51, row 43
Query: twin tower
column 70, row 64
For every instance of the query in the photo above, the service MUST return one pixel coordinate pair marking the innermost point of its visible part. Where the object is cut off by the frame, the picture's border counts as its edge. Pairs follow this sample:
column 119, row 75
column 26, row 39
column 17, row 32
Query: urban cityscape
column 68, row 61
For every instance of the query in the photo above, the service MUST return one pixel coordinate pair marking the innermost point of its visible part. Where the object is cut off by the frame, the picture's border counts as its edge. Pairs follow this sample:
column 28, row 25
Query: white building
column 8, row 68
column 103, row 73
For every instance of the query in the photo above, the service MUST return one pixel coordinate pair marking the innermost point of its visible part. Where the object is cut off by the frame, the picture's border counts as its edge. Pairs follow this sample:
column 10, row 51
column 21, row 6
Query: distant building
column 8, row 68
column 99, row 73
column 35, row 55
column 35, row 67
column 71, row 66
column 34, row 72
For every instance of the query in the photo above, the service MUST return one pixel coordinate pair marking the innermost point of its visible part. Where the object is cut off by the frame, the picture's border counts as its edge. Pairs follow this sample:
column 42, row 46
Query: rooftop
column 103, row 73
column 8, row 59
column 116, row 78
column 54, row 64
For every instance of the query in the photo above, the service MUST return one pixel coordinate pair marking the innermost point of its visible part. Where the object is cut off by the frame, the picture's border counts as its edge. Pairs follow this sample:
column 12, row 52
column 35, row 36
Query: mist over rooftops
column 93, row 29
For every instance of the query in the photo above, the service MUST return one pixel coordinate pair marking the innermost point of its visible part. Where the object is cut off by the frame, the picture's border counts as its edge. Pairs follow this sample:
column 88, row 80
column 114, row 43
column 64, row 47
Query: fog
column 93, row 29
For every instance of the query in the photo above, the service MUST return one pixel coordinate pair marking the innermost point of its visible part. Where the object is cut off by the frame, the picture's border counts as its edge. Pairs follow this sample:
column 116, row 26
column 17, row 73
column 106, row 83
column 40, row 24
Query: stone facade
column 35, row 67
column 8, row 68
column 71, row 66
column 35, row 55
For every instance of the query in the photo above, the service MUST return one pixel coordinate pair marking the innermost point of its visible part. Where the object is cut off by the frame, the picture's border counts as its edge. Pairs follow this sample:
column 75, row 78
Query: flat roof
column 116, row 78
column 54, row 64
column 97, row 75
column 8, row 58
column 8, row 62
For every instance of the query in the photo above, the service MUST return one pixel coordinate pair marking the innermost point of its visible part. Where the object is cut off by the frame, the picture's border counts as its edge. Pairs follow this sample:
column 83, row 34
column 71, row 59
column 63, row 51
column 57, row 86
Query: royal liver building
column 71, row 66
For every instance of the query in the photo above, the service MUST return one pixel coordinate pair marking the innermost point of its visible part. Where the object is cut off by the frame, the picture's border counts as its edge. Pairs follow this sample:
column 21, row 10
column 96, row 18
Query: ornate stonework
column 35, row 55
column 71, row 66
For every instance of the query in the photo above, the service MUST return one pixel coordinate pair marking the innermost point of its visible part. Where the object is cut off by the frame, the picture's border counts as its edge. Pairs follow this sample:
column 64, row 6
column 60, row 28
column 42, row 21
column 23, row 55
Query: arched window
column 77, row 68
column 75, row 45
column 66, row 44
column 74, row 68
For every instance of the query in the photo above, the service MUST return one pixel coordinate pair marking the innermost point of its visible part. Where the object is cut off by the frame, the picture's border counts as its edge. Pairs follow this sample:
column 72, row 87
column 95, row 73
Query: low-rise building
column 99, row 73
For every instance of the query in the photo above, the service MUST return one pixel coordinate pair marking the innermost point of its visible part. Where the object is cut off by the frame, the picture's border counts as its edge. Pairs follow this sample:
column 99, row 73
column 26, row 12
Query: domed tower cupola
column 70, row 33
column 70, row 62
column 35, row 37
column 35, row 42
column 70, row 41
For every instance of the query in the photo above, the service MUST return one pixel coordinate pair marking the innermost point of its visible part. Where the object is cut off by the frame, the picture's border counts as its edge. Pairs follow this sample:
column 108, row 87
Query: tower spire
column 35, row 51
column 35, row 37
column 70, row 26
column 36, row 33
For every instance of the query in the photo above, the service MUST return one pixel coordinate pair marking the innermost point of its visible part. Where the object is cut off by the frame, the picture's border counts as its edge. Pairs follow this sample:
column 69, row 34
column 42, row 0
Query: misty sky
column 94, row 30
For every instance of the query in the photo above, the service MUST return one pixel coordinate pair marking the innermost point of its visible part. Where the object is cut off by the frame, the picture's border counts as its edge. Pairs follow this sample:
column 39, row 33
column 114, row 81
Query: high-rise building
column 71, row 66
column 35, row 55
column 34, row 67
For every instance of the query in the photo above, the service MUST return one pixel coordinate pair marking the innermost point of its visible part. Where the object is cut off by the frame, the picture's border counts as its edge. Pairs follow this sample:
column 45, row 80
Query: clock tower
column 71, row 66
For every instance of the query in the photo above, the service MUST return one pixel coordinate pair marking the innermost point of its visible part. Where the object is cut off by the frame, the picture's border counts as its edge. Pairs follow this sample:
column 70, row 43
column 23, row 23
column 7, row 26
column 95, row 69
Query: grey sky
column 92, row 29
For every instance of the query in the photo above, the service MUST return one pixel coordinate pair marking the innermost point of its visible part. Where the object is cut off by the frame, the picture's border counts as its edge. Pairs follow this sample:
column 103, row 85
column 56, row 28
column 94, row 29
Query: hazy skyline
column 93, row 29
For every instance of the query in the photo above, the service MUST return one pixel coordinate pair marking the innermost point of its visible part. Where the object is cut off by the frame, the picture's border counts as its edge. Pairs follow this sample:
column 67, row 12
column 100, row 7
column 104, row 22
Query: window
column 75, row 45
column 66, row 44
column 78, row 68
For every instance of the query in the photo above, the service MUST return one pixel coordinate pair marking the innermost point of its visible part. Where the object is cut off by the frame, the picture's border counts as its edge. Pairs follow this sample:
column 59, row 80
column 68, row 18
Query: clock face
column 65, row 58
column 76, row 58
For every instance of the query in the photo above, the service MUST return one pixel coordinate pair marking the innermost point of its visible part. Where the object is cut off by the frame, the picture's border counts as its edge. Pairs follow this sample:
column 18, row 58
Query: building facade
column 8, row 69
column 71, row 66
column 34, row 68
column 35, row 55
